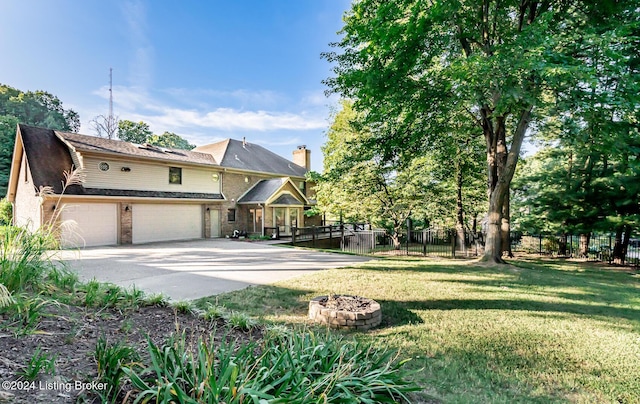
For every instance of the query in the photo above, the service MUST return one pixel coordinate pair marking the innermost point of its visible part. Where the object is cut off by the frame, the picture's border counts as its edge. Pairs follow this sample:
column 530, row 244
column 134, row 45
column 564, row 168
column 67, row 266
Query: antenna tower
column 111, row 93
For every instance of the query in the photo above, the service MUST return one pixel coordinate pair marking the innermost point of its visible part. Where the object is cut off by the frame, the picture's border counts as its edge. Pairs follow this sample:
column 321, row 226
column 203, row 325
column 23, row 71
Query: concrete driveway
column 198, row 268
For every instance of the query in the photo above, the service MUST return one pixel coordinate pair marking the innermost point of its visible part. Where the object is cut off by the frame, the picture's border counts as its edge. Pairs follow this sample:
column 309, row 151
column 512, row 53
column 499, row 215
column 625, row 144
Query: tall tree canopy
column 358, row 186
column 37, row 108
column 134, row 132
column 414, row 66
column 139, row 132
column 170, row 140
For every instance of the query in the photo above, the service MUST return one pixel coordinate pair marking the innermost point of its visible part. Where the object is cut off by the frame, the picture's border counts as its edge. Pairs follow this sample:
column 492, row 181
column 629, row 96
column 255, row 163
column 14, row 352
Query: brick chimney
column 302, row 157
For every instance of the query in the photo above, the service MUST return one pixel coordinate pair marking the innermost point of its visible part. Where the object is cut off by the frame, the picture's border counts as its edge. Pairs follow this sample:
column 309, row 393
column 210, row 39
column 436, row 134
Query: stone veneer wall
column 357, row 320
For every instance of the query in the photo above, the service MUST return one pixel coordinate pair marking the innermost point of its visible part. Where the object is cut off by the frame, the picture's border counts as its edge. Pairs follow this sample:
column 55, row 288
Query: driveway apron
column 198, row 268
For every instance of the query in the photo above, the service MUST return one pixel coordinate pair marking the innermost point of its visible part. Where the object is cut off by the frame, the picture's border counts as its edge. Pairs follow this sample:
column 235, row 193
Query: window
column 175, row 175
column 231, row 215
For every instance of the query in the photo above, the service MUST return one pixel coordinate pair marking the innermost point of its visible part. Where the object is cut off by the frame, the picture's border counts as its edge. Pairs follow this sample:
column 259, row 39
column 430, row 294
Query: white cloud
column 230, row 119
column 245, row 97
column 134, row 103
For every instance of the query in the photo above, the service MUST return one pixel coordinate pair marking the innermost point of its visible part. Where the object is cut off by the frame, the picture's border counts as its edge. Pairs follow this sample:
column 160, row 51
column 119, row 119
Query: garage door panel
column 89, row 224
column 166, row 222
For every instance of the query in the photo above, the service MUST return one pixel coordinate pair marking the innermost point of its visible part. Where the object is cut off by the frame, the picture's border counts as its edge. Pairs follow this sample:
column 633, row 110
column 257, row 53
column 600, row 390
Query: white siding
column 148, row 177
column 162, row 222
column 89, row 224
column 27, row 204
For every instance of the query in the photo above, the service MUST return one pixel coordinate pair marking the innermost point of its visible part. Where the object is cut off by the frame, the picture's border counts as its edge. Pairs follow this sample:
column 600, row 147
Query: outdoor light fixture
column 125, row 169
column 126, row 208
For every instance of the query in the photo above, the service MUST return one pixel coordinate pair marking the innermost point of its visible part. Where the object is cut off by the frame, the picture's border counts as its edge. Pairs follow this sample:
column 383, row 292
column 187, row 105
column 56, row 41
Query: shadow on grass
column 582, row 284
column 525, row 287
column 521, row 305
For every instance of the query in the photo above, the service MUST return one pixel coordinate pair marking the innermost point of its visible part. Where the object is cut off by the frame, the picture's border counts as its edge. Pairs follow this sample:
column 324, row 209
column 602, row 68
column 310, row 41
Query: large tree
column 412, row 65
column 37, row 108
column 134, row 132
column 170, row 140
column 359, row 185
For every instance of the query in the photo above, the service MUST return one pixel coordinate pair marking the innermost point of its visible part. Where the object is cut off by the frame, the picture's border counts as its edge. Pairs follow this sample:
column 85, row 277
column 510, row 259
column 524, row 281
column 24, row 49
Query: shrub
column 296, row 367
column 40, row 361
column 111, row 359
column 214, row 312
column 6, row 212
column 24, row 314
column 183, row 306
column 241, row 321
column 156, row 299
column 23, row 260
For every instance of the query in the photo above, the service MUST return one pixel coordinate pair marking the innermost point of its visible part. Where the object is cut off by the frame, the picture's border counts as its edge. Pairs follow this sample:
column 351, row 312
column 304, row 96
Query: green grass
column 531, row 332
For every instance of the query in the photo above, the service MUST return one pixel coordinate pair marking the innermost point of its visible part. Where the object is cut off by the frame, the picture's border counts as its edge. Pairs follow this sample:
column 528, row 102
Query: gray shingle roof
column 153, row 194
column 236, row 154
column 47, row 156
column 98, row 144
column 262, row 191
column 287, row 199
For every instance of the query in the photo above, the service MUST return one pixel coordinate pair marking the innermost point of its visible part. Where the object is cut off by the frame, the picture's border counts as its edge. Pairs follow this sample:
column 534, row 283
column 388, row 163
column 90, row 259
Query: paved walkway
column 199, row 268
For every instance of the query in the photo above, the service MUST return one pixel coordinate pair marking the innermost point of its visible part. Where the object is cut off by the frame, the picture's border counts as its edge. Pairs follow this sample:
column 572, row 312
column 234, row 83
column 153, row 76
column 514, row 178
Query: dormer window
column 175, row 175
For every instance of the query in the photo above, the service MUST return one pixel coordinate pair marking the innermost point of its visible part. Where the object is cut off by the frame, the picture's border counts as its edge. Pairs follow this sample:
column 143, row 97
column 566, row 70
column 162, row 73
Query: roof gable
column 265, row 190
column 242, row 155
column 47, row 157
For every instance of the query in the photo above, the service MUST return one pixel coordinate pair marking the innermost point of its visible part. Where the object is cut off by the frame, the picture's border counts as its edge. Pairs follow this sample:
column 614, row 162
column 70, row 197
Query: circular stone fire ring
column 344, row 311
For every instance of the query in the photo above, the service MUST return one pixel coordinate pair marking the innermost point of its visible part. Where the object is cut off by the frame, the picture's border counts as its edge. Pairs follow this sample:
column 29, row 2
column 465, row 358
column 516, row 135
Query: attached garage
column 161, row 222
column 89, row 224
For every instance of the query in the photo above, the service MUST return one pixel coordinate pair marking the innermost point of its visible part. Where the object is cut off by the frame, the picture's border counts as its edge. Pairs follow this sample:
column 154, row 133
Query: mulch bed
column 346, row 303
column 69, row 334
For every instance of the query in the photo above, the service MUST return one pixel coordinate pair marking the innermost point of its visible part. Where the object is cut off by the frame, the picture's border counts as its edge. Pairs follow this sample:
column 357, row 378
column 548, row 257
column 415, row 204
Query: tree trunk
column 618, row 257
column 501, row 164
column 506, row 226
column 460, row 239
column 583, row 249
column 562, row 245
column 395, row 239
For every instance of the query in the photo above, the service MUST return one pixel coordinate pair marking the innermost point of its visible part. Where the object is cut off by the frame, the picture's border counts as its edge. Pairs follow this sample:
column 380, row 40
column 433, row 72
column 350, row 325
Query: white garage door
column 166, row 222
column 89, row 224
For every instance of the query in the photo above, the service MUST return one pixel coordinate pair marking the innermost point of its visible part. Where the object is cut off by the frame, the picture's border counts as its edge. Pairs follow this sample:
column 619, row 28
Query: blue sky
column 206, row 70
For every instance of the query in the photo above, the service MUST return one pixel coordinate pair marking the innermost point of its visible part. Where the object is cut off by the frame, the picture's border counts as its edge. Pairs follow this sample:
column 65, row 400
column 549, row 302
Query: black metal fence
column 593, row 247
column 361, row 239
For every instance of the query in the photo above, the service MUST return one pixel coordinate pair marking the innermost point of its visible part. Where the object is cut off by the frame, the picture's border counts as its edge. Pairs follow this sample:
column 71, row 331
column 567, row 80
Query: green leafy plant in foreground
column 23, row 262
column 293, row 368
column 39, row 362
column 111, row 358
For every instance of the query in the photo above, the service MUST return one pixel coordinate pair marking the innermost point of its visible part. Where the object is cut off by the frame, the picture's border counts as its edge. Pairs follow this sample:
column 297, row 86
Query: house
column 141, row 193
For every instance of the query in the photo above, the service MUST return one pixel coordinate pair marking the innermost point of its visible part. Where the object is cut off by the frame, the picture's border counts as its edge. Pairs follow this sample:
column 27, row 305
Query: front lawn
column 533, row 331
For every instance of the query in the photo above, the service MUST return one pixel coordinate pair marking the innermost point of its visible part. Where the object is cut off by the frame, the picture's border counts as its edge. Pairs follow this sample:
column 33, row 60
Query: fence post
column 424, row 242
column 313, row 236
column 540, row 244
column 611, row 251
column 453, row 243
column 571, row 246
column 408, row 234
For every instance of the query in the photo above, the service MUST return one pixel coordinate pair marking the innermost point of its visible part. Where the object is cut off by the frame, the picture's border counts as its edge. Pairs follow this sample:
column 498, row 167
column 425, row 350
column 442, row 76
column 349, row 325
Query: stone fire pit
column 344, row 311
